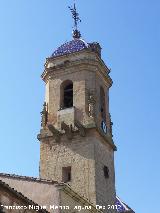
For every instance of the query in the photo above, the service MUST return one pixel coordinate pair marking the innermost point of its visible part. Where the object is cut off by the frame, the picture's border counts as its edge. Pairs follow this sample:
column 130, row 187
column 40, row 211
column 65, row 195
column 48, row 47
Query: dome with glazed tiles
column 75, row 45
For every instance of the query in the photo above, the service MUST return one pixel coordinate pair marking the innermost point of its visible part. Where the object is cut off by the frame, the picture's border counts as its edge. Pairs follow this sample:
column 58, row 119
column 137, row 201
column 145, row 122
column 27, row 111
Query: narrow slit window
column 106, row 172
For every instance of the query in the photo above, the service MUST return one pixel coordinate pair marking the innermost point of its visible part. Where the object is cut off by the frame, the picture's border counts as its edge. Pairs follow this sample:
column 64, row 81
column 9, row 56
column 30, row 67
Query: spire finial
column 75, row 16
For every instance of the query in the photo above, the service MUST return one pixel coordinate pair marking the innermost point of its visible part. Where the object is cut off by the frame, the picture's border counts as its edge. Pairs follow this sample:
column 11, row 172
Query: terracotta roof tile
column 28, row 178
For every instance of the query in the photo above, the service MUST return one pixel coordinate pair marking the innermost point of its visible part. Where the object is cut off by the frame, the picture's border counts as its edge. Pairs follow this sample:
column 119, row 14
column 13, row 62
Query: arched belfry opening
column 102, row 104
column 67, row 94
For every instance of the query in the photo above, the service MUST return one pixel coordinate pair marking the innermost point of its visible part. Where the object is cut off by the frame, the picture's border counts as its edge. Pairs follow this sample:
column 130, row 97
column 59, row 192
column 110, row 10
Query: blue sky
column 129, row 33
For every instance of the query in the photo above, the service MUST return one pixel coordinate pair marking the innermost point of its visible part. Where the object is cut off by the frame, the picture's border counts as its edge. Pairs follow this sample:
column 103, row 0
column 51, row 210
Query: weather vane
column 75, row 16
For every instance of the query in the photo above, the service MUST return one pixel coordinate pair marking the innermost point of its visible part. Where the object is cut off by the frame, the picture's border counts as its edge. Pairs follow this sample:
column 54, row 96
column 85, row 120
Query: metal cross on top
column 75, row 16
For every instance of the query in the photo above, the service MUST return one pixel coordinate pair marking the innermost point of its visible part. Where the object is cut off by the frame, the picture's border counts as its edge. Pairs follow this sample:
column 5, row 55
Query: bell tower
column 76, row 145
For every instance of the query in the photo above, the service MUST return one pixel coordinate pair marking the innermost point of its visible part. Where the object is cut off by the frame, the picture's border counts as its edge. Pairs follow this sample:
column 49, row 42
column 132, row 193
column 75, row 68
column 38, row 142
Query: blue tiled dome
column 70, row 47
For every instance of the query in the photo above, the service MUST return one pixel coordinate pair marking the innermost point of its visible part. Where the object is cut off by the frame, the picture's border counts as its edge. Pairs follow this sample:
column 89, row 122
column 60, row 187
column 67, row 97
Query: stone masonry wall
column 10, row 200
column 79, row 154
column 86, row 156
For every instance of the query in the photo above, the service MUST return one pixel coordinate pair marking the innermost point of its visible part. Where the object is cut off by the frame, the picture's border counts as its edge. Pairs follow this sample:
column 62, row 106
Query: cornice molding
column 88, row 65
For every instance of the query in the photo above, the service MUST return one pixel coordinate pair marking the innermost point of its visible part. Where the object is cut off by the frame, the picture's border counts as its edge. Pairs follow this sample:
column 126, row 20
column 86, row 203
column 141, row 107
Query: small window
column 66, row 174
column 106, row 172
